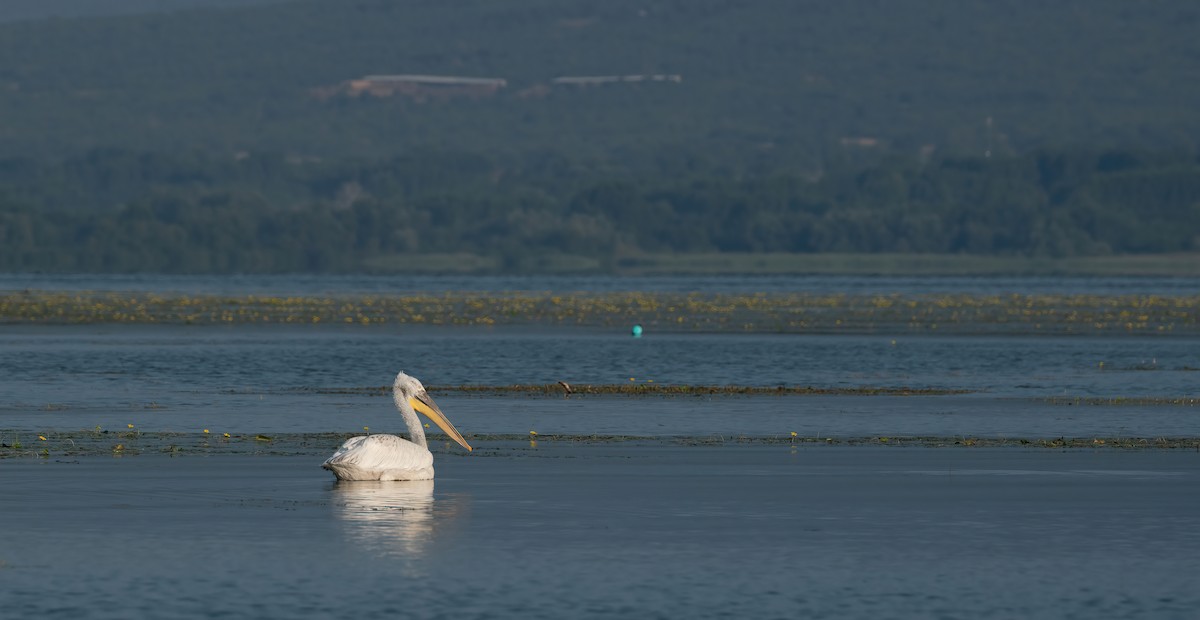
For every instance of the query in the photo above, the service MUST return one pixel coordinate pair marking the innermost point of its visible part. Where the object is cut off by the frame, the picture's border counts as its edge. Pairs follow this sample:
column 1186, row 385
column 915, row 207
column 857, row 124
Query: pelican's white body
column 381, row 457
column 388, row 457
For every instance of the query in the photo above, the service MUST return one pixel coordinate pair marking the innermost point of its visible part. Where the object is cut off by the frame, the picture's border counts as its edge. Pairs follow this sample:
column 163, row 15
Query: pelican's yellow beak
column 424, row 404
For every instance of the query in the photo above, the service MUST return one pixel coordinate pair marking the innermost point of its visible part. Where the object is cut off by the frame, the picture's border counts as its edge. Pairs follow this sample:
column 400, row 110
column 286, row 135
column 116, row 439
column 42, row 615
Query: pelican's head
column 408, row 388
column 408, row 385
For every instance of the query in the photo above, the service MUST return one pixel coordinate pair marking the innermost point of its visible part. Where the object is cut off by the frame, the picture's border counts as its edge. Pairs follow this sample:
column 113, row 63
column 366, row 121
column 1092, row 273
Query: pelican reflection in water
column 388, row 457
column 388, row 518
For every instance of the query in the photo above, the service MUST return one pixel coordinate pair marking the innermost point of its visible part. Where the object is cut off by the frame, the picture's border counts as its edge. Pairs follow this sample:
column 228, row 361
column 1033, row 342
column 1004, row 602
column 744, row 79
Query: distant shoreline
column 779, row 263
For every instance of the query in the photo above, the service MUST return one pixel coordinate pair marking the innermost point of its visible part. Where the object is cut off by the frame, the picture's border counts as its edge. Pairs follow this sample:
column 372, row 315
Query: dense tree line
column 120, row 211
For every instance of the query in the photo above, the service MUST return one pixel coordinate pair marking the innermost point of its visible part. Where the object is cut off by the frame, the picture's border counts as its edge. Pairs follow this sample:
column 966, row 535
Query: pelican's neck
column 416, row 434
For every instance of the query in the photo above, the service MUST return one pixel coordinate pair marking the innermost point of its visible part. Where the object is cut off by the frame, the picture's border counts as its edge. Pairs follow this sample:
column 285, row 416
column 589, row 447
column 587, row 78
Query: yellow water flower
column 206, row 431
column 42, row 437
column 226, row 435
column 533, row 433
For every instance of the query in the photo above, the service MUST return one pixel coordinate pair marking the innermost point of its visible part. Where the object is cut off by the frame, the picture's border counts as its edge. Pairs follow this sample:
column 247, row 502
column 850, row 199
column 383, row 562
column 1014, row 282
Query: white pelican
column 388, row 457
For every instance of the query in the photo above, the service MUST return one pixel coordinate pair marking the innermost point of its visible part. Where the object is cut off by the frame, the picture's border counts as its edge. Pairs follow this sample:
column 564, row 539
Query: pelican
column 388, row 457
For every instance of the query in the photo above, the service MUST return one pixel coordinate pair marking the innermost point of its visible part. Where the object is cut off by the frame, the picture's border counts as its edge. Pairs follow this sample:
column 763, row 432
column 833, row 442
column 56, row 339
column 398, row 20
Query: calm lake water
column 270, row 379
column 651, row 529
column 567, row 531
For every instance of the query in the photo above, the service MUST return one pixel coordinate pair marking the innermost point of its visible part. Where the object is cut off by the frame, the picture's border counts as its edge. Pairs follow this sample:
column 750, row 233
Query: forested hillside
column 764, row 81
column 247, row 138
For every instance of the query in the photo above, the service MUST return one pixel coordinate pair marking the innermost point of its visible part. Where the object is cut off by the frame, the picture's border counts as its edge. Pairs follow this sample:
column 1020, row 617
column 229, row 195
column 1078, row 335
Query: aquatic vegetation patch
column 656, row 312
column 82, row 443
column 646, row 389
column 1139, row 401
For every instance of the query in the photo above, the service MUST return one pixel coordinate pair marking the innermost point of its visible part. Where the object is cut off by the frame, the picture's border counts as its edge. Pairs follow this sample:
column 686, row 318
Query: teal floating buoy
column 637, row 331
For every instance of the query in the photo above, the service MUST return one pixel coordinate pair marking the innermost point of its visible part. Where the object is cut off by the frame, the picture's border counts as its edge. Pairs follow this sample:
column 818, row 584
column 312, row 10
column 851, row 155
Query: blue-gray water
column 629, row 529
column 611, row 531
column 261, row 379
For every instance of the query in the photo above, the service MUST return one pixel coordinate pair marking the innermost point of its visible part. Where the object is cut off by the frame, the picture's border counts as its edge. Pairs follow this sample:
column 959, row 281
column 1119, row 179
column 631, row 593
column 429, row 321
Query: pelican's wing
column 380, row 457
column 347, row 445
